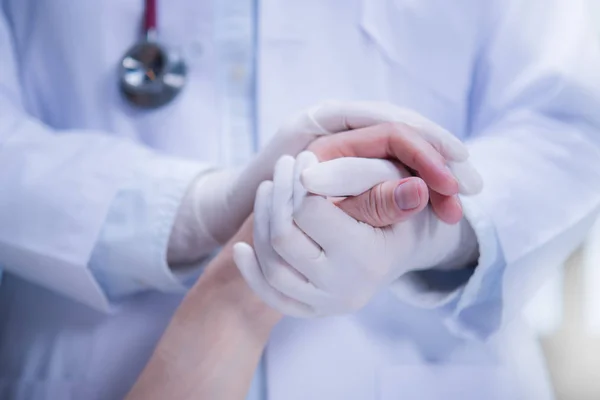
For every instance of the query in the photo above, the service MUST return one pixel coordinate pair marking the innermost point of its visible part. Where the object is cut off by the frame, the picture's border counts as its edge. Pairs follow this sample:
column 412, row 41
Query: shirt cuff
column 130, row 253
column 477, row 312
column 469, row 298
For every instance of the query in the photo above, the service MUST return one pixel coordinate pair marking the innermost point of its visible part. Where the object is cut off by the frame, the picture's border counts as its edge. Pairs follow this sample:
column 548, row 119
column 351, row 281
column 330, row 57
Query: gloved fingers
column 299, row 302
column 277, row 272
column 262, row 226
column 277, row 237
column 388, row 203
column 469, row 180
column 349, row 176
column 321, row 221
column 302, row 124
column 304, row 161
column 285, row 237
column 289, row 283
column 394, row 141
column 247, row 263
column 336, row 116
column 280, row 276
column 328, row 225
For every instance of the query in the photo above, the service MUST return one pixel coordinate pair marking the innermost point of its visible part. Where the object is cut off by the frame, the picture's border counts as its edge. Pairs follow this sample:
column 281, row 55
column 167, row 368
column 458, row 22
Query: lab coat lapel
column 280, row 41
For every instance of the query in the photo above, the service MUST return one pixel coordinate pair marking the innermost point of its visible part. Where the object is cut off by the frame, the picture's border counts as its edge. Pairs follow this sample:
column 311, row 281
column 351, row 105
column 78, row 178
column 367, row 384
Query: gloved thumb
column 388, row 203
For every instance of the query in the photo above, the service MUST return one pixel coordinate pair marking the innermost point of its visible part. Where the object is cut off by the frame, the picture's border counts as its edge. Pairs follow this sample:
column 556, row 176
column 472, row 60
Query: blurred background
column 566, row 313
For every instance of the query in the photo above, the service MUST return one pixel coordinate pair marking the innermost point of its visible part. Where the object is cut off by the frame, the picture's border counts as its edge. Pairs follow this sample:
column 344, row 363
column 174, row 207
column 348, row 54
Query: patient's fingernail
column 407, row 195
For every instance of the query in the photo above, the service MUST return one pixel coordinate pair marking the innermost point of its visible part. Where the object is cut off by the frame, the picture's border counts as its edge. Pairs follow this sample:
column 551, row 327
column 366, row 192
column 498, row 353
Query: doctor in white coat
column 90, row 187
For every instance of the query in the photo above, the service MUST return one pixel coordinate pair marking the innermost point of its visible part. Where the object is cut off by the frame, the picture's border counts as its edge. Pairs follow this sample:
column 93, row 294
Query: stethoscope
column 150, row 75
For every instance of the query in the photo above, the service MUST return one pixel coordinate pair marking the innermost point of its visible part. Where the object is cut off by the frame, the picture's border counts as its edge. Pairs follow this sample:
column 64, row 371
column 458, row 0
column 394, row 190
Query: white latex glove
column 219, row 201
column 312, row 259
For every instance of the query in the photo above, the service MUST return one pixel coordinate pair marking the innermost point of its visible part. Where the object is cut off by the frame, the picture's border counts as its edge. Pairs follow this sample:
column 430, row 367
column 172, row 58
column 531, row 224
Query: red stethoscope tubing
column 150, row 16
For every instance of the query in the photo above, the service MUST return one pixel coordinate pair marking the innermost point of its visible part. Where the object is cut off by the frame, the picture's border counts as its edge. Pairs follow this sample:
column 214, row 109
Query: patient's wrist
column 223, row 288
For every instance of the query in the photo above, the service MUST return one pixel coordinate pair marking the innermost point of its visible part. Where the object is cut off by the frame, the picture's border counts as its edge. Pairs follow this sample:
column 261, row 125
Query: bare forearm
column 214, row 342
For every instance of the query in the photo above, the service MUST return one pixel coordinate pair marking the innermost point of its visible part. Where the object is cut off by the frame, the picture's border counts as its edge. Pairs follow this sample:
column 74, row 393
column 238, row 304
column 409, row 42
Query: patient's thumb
column 389, row 202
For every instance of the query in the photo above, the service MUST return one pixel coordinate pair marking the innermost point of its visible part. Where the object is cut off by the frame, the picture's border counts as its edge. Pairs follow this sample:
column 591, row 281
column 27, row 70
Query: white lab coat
column 519, row 80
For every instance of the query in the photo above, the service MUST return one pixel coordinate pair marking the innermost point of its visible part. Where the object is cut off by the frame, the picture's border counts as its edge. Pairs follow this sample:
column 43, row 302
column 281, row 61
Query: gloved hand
column 218, row 202
column 313, row 259
column 393, row 141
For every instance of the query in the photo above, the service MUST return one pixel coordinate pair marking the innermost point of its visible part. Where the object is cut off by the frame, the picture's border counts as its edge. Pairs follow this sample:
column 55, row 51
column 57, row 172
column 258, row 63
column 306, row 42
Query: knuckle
column 398, row 128
column 419, row 155
column 394, row 128
column 376, row 209
column 370, row 208
column 422, row 157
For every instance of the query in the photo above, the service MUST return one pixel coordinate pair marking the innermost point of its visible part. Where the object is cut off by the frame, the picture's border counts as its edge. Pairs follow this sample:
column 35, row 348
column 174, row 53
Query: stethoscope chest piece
column 151, row 76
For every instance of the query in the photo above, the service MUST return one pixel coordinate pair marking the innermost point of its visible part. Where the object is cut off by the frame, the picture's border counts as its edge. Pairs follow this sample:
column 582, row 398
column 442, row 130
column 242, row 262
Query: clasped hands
column 304, row 251
column 314, row 254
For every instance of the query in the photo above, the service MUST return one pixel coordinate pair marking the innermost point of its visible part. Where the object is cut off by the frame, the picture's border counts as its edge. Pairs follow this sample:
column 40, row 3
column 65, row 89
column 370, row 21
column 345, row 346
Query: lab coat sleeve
column 57, row 189
column 130, row 253
column 535, row 138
